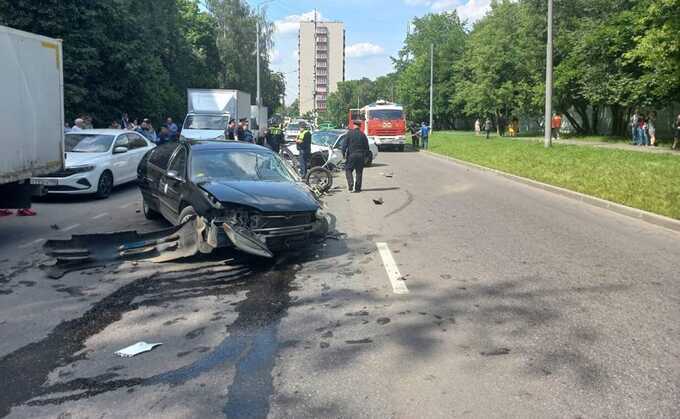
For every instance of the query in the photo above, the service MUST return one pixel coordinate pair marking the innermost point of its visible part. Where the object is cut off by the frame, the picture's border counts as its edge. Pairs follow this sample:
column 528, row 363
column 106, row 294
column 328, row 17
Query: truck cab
column 383, row 122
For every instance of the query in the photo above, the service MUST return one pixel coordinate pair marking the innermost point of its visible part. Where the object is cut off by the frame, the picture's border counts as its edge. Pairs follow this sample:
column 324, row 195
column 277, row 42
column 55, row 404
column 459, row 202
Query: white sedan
column 96, row 161
column 321, row 140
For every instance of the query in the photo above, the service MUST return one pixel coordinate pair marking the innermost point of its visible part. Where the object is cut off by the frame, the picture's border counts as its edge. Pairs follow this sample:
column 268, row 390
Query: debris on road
column 54, row 227
column 136, row 349
column 496, row 352
column 378, row 201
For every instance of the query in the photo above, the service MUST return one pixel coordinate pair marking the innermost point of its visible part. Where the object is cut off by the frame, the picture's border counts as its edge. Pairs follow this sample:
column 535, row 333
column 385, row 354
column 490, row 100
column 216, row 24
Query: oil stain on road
column 250, row 344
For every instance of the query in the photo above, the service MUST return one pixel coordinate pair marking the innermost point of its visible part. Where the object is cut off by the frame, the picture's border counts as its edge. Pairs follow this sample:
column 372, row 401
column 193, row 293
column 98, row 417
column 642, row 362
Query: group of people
column 240, row 132
column 643, row 129
column 168, row 132
column 420, row 136
column 504, row 127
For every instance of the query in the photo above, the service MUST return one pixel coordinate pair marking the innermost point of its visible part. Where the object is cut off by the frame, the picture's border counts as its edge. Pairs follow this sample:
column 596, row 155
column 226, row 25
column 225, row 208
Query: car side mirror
column 174, row 175
column 120, row 150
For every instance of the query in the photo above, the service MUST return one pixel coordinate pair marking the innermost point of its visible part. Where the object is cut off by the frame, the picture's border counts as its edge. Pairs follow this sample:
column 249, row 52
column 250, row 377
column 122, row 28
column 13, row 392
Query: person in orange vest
column 555, row 125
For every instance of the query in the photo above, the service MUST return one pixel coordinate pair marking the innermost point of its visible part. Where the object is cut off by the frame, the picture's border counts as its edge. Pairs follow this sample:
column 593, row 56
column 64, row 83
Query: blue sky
column 375, row 30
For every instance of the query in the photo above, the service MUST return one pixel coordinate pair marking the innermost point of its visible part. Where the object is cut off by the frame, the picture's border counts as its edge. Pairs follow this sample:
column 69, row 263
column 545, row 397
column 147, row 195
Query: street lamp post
column 549, row 79
column 431, row 84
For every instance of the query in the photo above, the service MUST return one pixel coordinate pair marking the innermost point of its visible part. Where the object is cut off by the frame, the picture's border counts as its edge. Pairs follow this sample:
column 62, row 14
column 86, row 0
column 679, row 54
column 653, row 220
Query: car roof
column 105, row 131
column 221, row 145
column 332, row 131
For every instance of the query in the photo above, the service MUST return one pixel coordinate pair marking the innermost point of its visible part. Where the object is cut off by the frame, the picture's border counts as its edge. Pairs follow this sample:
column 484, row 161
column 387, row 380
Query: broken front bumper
column 263, row 241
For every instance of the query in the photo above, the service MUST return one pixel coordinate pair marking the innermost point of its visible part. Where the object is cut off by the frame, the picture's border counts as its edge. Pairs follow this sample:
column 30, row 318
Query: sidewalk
column 598, row 144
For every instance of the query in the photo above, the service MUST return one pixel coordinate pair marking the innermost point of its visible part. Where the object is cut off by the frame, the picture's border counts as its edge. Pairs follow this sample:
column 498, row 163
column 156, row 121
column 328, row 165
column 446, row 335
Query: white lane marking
column 126, row 205
column 69, row 228
column 103, row 214
column 397, row 281
column 34, row 242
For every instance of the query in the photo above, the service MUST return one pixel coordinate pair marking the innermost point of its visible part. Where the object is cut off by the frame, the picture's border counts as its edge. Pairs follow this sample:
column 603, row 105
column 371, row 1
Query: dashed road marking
column 397, row 281
column 29, row 244
column 69, row 228
column 103, row 214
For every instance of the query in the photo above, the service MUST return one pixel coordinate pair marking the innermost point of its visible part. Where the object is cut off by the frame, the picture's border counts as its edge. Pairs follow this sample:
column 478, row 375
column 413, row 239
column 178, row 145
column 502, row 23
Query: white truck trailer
column 210, row 110
column 31, row 113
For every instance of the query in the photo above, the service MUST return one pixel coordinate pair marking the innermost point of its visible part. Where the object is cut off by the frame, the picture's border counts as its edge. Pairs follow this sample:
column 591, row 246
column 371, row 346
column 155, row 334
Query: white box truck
column 31, row 113
column 210, row 111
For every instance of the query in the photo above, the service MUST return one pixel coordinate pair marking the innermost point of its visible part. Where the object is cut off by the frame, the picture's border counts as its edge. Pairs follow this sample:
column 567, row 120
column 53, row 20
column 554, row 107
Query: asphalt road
column 503, row 301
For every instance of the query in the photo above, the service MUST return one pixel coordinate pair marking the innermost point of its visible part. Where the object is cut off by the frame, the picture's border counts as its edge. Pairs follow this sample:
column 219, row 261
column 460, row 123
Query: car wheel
column 149, row 214
column 400, row 147
column 186, row 213
column 201, row 243
column 105, row 185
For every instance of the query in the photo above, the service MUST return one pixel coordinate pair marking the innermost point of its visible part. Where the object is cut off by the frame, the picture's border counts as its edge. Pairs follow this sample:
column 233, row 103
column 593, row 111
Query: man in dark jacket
column 230, row 132
column 355, row 149
column 304, row 146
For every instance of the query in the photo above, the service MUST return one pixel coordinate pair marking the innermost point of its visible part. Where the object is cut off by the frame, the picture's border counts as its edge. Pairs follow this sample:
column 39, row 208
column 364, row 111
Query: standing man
column 241, row 130
column 172, row 127
column 274, row 138
column 355, row 150
column 424, row 136
column 634, row 122
column 304, row 146
column 676, row 132
column 125, row 121
column 555, row 125
column 147, row 131
column 230, row 132
column 488, row 126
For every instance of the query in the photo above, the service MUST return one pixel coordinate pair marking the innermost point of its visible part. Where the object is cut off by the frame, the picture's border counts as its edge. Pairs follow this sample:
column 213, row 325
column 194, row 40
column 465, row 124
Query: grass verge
column 641, row 180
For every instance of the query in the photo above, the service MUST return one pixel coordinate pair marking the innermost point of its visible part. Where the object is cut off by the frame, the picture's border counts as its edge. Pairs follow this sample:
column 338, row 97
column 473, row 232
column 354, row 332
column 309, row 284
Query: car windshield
column 240, row 165
column 324, row 138
column 213, row 122
column 87, row 143
column 293, row 127
column 386, row 114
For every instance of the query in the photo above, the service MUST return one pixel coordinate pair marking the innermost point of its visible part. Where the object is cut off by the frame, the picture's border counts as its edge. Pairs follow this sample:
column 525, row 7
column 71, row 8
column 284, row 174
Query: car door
column 137, row 148
column 120, row 162
column 153, row 172
column 172, row 183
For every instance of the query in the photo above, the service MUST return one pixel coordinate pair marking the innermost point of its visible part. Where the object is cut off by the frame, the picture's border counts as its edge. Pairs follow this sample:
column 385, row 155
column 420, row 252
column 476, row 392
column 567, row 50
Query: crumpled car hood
column 264, row 196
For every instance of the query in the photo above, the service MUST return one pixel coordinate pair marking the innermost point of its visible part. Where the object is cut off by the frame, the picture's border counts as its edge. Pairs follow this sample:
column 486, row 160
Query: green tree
column 447, row 33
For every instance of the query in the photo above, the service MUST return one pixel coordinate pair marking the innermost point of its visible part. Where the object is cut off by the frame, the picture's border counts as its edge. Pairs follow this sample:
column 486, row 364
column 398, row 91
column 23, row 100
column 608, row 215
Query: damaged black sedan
column 240, row 195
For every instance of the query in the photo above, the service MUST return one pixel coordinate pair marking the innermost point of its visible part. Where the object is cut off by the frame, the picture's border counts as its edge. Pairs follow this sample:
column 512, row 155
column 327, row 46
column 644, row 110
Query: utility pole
column 258, row 96
column 258, row 99
column 549, row 79
column 431, row 83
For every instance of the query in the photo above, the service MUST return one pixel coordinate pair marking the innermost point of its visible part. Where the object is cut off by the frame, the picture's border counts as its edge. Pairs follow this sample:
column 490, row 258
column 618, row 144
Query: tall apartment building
column 321, row 63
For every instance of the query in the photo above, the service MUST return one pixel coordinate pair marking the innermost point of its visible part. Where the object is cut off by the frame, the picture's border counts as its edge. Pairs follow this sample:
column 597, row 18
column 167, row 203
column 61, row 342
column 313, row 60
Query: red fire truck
column 383, row 123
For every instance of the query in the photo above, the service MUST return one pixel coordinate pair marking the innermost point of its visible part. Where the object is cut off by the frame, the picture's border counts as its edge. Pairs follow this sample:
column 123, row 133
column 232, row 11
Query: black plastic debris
column 378, row 201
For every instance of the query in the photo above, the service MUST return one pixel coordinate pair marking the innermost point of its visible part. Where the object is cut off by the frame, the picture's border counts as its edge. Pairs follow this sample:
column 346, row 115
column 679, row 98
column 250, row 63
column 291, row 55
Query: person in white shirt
column 79, row 125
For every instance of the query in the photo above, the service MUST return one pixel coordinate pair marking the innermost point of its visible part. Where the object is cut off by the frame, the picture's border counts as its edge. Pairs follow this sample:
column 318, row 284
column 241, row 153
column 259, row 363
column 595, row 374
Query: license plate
column 44, row 182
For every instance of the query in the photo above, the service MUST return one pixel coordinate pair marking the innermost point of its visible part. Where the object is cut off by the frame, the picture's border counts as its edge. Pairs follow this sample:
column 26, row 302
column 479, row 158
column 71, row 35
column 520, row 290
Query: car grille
column 63, row 173
column 387, row 131
column 280, row 220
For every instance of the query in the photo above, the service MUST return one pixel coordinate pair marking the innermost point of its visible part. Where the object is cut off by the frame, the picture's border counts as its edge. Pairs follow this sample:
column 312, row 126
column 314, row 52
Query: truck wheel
column 105, row 185
column 186, row 213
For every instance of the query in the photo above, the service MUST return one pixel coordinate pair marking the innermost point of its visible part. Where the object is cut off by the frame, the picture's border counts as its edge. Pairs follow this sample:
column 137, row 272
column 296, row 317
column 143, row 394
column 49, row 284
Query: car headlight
column 80, row 169
column 320, row 214
column 182, row 137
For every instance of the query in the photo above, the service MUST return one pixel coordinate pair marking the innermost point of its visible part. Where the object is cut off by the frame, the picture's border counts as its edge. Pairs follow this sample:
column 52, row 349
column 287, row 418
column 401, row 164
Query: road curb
column 639, row 214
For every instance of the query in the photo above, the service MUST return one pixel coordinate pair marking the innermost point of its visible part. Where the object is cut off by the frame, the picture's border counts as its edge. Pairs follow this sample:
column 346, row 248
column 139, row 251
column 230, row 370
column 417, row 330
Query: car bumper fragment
column 84, row 251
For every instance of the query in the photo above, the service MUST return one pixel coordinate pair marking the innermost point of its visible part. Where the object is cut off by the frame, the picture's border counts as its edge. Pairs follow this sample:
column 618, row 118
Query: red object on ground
column 26, row 212
column 5, row 212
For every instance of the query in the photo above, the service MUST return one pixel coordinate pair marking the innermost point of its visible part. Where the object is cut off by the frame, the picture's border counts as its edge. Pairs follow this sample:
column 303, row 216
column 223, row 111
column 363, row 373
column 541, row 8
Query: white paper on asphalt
column 397, row 281
column 136, row 349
